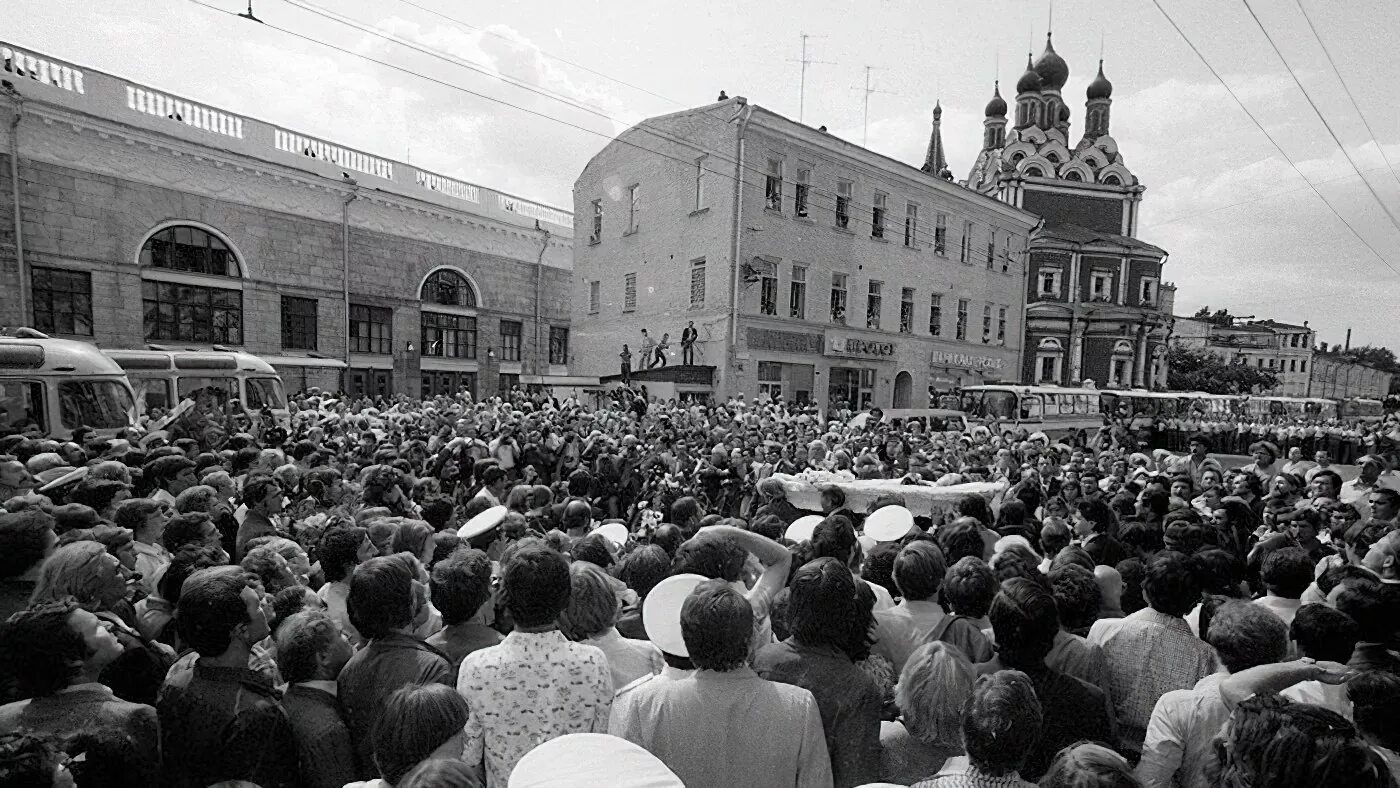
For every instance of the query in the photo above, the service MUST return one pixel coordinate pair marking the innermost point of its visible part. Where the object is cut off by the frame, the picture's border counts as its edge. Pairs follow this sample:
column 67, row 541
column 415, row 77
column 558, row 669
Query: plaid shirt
column 1149, row 654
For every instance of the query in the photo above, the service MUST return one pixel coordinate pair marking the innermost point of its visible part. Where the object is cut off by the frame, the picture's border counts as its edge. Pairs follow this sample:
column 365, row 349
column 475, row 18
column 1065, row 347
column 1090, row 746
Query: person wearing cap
column 1265, row 465
column 822, row 601
column 726, row 726
column 1196, row 461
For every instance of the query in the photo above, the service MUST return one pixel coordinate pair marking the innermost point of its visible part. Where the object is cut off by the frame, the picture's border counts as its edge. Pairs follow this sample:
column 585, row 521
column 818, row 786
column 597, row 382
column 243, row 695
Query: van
column 216, row 379
column 50, row 387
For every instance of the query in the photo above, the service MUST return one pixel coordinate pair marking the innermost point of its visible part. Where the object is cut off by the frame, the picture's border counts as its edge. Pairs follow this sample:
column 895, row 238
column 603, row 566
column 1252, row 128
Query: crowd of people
column 532, row 591
column 1344, row 440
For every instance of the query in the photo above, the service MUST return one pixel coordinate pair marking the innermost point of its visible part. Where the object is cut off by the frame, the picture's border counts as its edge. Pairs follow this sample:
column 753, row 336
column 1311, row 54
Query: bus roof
column 190, row 360
column 54, row 357
column 1020, row 388
column 1145, row 394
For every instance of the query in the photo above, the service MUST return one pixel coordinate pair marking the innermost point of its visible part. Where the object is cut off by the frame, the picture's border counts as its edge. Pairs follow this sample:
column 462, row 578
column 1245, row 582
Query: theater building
column 1096, row 305
column 139, row 218
column 810, row 269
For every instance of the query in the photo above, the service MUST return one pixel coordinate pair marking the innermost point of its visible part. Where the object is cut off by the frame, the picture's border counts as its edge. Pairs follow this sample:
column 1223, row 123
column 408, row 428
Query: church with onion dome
column 1096, row 306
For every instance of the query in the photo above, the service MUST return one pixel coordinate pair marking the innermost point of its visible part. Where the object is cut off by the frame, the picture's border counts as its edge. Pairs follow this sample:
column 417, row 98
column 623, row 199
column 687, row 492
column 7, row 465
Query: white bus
column 215, row 379
column 50, row 387
column 1057, row 411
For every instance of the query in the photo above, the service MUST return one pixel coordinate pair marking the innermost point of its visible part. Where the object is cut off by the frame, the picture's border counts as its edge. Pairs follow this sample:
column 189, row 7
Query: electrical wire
column 1284, row 193
column 1326, row 124
column 1270, row 137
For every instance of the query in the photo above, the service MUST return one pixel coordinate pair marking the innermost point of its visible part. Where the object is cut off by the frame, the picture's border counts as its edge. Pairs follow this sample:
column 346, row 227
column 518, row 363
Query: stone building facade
column 1284, row 349
column 810, row 268
column 149, row 219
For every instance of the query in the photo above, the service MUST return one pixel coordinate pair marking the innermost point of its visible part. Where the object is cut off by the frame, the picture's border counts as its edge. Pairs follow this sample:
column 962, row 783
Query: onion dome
column 1100, row 88
column 1053, row 70
column 1064, row 113
column 937, row 109
column 996, row 108
column 1029, row 81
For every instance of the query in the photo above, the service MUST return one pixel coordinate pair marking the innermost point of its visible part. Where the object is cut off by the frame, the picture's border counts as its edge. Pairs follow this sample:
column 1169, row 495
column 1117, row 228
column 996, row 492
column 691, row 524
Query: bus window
column 152, row 393
column 21, row 407
column 971, row 403
column 265, row 391
column 1031, row 408
column 1067, row 404
column 220, row 390
column 100, row 404
column 999, row 404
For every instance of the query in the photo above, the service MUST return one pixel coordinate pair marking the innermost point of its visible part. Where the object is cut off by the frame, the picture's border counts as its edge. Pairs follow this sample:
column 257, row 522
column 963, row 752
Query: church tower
column 1028, row 97
column 1054, row 73
column 936, row 161
column 1100, row 96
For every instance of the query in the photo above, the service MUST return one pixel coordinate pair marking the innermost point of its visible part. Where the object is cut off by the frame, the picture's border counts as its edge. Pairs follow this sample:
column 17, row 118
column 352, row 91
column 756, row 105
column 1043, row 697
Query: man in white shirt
column 146, row 519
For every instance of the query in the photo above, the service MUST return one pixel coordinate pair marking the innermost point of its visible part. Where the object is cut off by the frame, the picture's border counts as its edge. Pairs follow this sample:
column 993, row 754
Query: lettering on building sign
column 853, row 346
column 515, row 205
column 945, row 358
column 40, row 70
column 437, row 183
column 784, row 341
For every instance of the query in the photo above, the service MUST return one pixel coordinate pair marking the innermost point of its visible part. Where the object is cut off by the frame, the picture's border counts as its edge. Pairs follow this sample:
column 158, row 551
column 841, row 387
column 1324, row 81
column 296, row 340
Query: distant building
column 811, row 269
column 1338, row 378
column 1096, row 305
column 153, row 219
column 1280, row 348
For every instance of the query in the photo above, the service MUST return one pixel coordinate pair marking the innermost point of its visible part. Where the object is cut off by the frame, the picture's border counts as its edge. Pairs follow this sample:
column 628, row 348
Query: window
column 935, row 315
column 986, row 323
column 991, row 250
column 1148, row 294
column 62, row 300
column 1293, row 365
column 1048, row 369
column 1101, row 286
column 697, row 283
column 911, row 224
column 797, row 293
column 190, row 313
column 838, row 299
column 700, row 183
column 510, row 340
column 24, row 407
column 906, row 311
column 371, row 329
column 190, row 250
column 448, row 288
column 1001, row 325
column 773, row 186
column 298, row 323
column 1302, row 366
column 634, row 208
column 801, row 191
column 558, row 345
column 1118, row 371
column 961, row 332
column 1259, row 362
column 940, row 234
column 448, row 336
column 768, row 293
column 1050, row 282
column 770, row 379
column 843, row 204
column 872, row 304
column 595, row 296
column 965, row 253
column 597, row 234
column 1006, row 253
column 629, row 292
column 877, row 217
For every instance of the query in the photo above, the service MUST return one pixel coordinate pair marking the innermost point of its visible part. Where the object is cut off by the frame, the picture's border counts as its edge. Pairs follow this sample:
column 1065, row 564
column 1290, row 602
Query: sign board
column 783, row 341
column 947, row 358
column 853, row 346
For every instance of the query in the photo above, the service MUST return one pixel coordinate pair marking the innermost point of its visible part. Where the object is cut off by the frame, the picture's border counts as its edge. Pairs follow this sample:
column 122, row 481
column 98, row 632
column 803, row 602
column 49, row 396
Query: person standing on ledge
column 688, row 337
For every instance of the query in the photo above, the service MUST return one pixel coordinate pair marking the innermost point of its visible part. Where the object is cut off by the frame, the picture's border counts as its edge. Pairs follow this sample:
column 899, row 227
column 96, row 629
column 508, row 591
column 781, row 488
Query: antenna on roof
column 802, row 85
column 249, row 13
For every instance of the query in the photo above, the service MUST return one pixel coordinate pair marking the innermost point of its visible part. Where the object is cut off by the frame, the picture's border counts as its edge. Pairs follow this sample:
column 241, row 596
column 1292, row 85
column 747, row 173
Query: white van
column 163, row 378
column 50, row 387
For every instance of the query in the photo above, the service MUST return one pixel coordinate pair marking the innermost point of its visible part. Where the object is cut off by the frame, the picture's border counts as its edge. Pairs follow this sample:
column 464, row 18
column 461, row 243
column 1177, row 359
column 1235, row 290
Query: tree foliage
column 1220, row 317
column 1200, row 370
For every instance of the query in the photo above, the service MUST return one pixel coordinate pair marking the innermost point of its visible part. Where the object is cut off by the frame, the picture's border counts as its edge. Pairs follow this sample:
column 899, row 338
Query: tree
column 1200, row 370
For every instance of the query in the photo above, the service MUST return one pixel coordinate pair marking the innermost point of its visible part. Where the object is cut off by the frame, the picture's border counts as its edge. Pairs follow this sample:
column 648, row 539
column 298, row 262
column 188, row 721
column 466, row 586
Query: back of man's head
column 1025, row 622
column 1246, row 635
column 381, row 596
column 1170, row 584
column 301, row 641
column 821, row 601
column 919, row 570
column 717, row 625
column 1323, row 633
column 211, row 606
column 535, row 584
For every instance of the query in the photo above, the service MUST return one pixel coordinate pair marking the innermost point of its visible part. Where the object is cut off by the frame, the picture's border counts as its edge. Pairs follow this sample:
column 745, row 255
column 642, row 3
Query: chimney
column 1348, row 345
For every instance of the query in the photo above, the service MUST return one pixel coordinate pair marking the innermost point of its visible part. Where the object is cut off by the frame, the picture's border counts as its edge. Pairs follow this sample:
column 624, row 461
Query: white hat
column 613, row 532
column 802, row 528
column 661, row 612
column 587, row 759
column 483, row 522
column 888, row 523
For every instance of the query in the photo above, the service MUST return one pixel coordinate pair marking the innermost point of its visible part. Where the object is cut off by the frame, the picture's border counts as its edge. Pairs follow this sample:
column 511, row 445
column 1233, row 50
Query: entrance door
column 370, row 382
column 903, row 390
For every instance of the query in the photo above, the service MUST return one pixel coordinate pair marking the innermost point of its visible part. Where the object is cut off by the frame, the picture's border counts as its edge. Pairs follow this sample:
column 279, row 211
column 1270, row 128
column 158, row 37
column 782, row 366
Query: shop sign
column 838, row 345
column 783, row 341
column 945, row 358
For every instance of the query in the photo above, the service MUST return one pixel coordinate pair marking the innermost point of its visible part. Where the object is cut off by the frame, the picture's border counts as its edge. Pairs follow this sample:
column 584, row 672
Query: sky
column 518, row 95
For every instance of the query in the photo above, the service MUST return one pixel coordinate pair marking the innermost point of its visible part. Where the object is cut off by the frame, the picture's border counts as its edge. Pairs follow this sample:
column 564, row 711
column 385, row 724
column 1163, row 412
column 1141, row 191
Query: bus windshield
column 100, row 404
column 21, row 407
column 218, row 391
column 265, row 391
column 999, row 404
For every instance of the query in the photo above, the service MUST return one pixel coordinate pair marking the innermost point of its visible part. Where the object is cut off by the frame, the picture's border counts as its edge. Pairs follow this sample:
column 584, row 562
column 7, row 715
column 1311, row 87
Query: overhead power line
column 1270, row 137
column 1317, row 111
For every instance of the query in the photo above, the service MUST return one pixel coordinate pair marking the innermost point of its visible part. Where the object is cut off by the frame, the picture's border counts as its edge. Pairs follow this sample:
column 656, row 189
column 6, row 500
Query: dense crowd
column 1344, row 440
column 529, row 591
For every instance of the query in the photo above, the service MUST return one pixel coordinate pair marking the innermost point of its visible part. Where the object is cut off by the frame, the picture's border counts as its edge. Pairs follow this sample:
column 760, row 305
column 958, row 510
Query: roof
column 1083, row 236
column 1276, row 324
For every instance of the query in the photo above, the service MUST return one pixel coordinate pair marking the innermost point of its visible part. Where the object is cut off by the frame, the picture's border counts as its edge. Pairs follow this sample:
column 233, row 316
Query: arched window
column 448, row 288
column 182, row 297
column 1112, row 180
column 1034, row 172
column 189, row 250
column 1073, row 175
column 1052, row 157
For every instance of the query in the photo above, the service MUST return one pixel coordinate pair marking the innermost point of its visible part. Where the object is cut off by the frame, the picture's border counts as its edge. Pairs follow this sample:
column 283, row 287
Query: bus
column 226, row 381
column 1144, row 408
column 1361, row 408
column 1054, row 410
column 1293, row 407
column 50, row 387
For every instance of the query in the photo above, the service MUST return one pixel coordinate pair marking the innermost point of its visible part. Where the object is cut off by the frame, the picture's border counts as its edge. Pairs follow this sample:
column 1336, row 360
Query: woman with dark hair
column 1095, row 525
column 420, row 722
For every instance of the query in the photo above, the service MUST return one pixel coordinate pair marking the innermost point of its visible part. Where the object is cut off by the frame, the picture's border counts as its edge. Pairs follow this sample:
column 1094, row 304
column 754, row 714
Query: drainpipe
column 20, row 265
column 345, row 201
column 539, row 276
column 747, row 112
